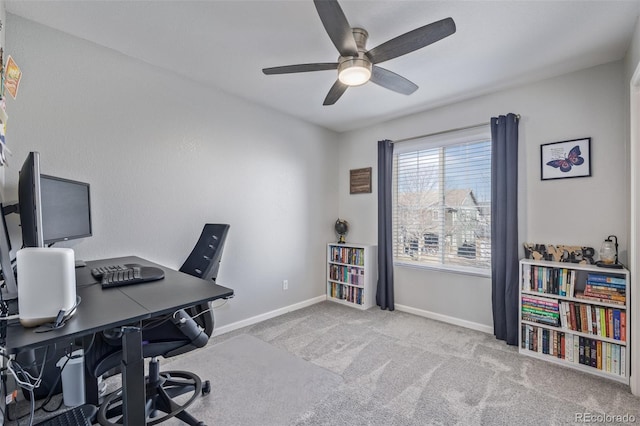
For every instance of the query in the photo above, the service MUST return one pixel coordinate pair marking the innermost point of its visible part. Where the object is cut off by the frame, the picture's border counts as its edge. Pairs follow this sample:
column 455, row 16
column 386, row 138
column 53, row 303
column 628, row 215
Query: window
column 442, row 201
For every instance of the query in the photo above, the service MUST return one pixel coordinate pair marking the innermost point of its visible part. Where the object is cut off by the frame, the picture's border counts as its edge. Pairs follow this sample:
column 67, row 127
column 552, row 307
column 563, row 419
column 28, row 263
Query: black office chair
column 171, row 335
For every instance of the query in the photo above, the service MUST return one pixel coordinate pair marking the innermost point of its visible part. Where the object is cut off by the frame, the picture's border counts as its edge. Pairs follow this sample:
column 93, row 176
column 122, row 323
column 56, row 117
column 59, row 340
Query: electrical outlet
column 285, row 284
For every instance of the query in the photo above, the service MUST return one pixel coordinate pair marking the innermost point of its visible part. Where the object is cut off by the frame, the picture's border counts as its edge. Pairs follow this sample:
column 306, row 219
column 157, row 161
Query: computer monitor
column 51, row 209
column 29, row 201
column 66, row 209
column 10, row 290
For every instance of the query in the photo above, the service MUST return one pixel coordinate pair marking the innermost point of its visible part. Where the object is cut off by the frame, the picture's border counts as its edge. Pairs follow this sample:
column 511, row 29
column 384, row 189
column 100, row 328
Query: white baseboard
column 403, row 308
column 445, row 318
column 268, row 315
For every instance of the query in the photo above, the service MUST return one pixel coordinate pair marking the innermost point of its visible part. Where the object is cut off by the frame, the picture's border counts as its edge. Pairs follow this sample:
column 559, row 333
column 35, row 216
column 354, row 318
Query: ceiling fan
column 357, row 65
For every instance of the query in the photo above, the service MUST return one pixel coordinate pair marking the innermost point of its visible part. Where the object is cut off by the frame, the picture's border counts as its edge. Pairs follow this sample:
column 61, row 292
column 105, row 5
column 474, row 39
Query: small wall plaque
column 360, row 181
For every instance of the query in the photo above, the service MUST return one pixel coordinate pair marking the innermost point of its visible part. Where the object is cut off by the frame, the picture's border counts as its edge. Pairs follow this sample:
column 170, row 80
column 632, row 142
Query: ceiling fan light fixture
column 354, row 71
column 355, row 62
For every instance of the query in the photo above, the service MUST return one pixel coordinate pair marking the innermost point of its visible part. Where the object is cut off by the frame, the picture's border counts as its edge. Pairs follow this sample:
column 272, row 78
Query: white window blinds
column 442, row 201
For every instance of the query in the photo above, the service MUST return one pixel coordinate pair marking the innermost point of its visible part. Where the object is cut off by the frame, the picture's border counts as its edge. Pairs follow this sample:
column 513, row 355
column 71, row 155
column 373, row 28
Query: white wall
column 164, row 155
column 580, row 211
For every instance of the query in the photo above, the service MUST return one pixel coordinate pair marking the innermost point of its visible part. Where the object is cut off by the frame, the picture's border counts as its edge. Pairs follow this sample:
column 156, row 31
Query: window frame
column 435, row 141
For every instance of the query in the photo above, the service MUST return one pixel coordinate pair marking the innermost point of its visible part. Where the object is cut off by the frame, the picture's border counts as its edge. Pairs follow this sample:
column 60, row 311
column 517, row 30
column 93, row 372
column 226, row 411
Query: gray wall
column 164, row 156
column 583, row 211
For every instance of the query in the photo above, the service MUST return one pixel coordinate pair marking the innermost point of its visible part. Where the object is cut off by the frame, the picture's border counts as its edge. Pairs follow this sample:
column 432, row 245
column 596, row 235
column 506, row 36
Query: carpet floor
column 400, row 369
column 329, row 364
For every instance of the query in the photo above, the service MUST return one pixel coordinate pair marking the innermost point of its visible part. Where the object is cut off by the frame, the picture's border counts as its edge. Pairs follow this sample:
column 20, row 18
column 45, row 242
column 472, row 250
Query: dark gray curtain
column 504, row 227
column 384, row 295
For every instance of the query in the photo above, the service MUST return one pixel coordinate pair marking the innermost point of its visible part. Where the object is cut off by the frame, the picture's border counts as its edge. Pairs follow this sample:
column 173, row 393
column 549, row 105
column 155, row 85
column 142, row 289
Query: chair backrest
column 204, row 260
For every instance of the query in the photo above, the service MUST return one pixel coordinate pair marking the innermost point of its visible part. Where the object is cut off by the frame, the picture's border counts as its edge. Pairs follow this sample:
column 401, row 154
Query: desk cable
column 60, row 320
column 69, row 357
column 47, row 399
column 193, row 317
column 25, row 380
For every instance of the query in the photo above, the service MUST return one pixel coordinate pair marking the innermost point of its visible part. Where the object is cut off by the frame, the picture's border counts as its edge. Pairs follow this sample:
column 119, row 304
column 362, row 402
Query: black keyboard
column 119, row 275
column 78, row 416
column 101, row 270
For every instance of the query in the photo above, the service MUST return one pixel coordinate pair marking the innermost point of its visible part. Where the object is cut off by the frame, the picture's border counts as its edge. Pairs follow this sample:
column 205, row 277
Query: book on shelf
column 350, row 255
column 541, row 310
column 593, row 353
column 591, row 319
column 549, row 280
column 599, row 298
column 347, row 274
column 606, row 288
column 616, row 324
column 607, row 279
column 345, row 292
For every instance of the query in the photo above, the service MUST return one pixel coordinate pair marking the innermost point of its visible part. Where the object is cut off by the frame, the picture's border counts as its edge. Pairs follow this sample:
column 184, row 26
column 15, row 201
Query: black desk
column 129, row 305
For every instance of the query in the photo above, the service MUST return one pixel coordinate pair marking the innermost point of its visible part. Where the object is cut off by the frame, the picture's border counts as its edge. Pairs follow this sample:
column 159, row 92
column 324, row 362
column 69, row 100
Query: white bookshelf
column 352, row 274
column 591, row 331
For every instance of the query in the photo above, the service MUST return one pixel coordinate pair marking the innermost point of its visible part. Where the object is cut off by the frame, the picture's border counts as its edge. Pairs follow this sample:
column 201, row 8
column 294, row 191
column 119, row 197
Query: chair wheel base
column 160, row 403
column 206, row 388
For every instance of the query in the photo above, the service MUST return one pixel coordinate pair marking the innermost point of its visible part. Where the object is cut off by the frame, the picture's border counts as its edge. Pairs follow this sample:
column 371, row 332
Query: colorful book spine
column 548, row 280
column 594, row 353
column 545, row 311
column 347, row 255
column 599, row 278
column 616, row 324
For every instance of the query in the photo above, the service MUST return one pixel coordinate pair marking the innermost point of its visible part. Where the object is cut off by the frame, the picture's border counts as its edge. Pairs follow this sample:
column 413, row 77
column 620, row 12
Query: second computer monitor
column 66, row 209
column 52, row 209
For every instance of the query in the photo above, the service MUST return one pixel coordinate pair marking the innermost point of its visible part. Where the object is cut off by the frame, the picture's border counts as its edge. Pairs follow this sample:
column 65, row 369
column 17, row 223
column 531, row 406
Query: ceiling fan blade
column 337, row 26
column 392, row 81
column 413, row 40
column 288, row 69
column 335, row 92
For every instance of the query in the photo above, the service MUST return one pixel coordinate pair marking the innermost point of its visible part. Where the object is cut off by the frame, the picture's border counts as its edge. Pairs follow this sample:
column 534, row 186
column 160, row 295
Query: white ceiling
column 226, row 44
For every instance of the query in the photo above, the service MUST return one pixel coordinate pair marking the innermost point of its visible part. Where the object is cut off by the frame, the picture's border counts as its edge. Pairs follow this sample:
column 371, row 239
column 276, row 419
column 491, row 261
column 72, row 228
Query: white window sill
column 461, row 270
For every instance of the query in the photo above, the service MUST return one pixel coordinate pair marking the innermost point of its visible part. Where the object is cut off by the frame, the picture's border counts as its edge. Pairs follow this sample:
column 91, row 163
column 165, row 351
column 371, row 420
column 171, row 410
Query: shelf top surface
column 350, row 245
column 581, row 266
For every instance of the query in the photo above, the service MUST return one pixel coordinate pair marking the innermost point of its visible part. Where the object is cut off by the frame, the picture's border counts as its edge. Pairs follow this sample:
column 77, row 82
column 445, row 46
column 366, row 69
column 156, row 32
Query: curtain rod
column 445, row 131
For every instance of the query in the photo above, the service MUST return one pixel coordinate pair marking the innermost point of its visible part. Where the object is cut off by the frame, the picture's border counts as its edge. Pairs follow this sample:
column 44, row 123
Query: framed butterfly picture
column 566, row 159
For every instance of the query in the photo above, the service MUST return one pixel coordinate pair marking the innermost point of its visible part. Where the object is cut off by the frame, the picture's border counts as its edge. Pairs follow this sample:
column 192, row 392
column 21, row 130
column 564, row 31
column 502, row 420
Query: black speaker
column 204, row 260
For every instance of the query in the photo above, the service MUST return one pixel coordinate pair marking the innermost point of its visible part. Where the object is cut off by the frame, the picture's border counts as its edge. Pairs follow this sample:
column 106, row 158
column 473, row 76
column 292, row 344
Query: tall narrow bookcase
column 576, row 315
column 352, row 274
